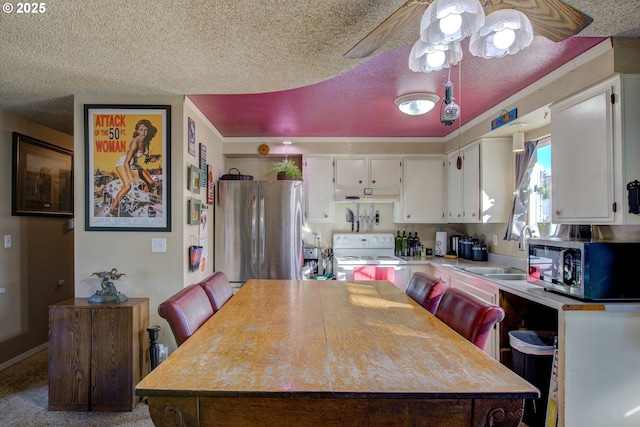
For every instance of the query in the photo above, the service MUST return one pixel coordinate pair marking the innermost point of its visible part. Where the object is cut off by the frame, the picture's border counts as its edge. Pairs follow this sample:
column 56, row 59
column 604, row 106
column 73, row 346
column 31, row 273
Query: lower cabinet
column 97, row 354
column 487, row 293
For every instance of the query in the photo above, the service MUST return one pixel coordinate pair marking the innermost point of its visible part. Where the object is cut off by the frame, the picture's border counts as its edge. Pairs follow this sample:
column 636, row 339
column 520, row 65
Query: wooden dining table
column 330, row 353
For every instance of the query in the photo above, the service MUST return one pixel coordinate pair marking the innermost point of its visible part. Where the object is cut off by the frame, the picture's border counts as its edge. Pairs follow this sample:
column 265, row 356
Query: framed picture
column 42, row 178
column 194, row 211
column 209, row 184
column 192, row 136
column 194, row 179
column 128, row 162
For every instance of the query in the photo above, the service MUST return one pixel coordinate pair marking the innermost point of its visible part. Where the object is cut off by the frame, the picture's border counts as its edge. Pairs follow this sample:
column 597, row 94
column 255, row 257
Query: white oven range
column 368, row 256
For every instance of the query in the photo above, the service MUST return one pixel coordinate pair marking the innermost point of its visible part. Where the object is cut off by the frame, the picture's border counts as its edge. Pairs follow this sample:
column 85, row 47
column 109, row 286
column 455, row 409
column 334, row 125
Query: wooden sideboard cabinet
column 97, row 354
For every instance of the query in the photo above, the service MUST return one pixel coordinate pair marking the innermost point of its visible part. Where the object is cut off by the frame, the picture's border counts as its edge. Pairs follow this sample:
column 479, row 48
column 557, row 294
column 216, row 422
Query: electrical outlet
column 495, row 240
column 318, row 236
column 159, row 244
column 7, row 241
column 2, row 290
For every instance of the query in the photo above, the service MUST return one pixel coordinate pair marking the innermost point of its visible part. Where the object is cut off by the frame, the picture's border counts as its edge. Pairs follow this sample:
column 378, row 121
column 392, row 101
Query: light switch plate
column 7, row 241
column 158, row 244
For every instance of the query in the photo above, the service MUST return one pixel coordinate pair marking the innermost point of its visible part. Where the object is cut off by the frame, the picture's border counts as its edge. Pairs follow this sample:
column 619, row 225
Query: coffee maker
column 310, row 265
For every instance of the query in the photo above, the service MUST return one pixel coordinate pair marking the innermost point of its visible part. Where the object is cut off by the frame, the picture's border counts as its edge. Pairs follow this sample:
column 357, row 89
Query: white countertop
column 523, row 288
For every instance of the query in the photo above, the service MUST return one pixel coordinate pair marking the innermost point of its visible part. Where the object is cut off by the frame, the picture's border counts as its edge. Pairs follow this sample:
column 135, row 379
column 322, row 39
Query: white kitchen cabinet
column 594, row 151
column 482, row 191
column 368, row 171
column 318, row 189
column 423, row 196
column 486, row 292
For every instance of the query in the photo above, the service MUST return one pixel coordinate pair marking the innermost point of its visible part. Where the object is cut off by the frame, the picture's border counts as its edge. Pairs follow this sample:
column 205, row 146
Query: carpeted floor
column 24, row 401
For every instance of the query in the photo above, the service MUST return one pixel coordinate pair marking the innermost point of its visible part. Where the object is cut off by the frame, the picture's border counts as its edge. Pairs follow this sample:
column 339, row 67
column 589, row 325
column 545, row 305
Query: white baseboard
column 23, row 356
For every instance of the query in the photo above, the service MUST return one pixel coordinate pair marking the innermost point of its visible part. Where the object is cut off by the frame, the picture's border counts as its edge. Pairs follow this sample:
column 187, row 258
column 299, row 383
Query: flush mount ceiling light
column 415, row 104
column 505, row 32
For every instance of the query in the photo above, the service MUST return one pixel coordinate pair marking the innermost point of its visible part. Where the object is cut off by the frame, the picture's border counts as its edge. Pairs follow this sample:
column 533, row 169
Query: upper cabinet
column 368, row 177
column 595, row 153
column 423, row 197
column 318, row 191
column 481, row 191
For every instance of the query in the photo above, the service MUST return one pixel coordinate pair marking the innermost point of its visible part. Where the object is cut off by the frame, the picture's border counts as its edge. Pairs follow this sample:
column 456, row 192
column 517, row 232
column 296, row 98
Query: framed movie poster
column 42, row 178
column 127, row 164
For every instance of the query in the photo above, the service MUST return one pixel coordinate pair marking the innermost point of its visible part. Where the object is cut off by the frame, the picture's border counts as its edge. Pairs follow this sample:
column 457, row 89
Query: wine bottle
column 404, row 243
column 398, row 244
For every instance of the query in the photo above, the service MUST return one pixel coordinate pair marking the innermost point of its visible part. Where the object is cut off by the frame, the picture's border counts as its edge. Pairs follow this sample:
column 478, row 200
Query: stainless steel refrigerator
column 262, row 229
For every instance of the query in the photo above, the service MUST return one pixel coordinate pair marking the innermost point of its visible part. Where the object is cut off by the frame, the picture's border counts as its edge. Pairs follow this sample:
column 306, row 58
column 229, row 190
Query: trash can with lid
column 532, row 359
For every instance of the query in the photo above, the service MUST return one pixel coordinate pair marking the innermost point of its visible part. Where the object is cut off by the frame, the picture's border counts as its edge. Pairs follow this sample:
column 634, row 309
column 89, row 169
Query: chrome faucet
column 526, row 230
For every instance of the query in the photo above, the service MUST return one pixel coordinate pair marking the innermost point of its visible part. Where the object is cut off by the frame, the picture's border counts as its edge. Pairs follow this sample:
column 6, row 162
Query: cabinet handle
column 558, row 212
column 473, row 214
column 326, row 215
column 374, row 181
column 359, row 181
column 408, row 216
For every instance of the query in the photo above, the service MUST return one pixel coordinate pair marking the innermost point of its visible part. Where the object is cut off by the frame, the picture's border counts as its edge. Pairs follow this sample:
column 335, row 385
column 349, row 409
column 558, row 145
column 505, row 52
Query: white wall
column 156, row 276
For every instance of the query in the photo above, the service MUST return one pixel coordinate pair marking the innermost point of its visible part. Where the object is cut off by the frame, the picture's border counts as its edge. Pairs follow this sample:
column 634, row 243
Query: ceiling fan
column 552, row 19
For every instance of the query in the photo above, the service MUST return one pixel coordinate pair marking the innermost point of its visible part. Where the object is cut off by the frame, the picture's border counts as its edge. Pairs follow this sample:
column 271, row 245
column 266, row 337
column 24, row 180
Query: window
column 539, row 212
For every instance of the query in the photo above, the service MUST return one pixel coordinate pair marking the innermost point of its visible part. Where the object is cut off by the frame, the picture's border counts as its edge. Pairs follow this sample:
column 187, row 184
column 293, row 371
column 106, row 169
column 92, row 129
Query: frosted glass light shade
column 447, row 21
column 427, row 57
column 505, row 32
column 518, row 142
column 415, row 104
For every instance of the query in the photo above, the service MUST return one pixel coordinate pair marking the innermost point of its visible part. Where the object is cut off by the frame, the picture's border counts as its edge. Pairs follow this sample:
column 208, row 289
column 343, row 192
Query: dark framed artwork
column 193, row 180
column 42, row 178
column 128, row 167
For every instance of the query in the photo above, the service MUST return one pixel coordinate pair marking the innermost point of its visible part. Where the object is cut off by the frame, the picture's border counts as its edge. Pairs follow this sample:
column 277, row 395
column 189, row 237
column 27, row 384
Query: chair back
column 218, row 289
column 468, row 315
column 186, row 311
column 426, row 290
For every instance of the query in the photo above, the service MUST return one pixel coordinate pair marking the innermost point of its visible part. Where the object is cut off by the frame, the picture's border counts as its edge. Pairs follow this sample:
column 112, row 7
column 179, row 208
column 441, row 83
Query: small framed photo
column 194, row 211
column 194, row 179
column 192, row 137
column 42, row 178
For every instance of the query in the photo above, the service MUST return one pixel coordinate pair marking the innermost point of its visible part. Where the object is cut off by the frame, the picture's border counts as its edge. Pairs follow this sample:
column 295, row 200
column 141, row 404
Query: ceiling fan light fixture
column 415, row 104
column 427, row 57
column 505, row 32
column 447, row 21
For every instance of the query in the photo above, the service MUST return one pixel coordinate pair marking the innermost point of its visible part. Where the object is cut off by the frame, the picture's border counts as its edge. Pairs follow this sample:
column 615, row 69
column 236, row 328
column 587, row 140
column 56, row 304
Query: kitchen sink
column 492, row 270
column 506, row 276
column 498, row 273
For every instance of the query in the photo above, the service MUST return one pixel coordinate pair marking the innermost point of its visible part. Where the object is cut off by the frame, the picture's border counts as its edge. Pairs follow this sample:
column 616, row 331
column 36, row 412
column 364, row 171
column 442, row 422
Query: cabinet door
column 471, row 184
column 385, row 172
column 424, row 191
column 69, row 358
column 351, row 172
column 112, row 378
column 318, row 189
column 454, row 189
column 582, row 153
column 488, row 294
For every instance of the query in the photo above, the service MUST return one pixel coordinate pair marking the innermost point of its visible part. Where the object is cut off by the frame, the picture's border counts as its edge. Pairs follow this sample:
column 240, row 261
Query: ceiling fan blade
column 553, row 19
column 383, row 32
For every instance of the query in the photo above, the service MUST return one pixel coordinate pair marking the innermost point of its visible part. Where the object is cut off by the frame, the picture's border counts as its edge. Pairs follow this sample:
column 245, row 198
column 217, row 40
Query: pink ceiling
column 360, row 102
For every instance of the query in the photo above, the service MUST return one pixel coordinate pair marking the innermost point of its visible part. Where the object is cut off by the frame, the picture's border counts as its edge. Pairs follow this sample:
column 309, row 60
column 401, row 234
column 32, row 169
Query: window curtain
column 525, row 161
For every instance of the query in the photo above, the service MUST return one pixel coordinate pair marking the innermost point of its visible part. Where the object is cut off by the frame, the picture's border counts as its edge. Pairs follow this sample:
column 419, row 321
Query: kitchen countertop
column 523, row 288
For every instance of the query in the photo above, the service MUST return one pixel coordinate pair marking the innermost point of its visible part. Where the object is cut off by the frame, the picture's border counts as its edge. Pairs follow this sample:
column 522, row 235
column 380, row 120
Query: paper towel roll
column 441, row 243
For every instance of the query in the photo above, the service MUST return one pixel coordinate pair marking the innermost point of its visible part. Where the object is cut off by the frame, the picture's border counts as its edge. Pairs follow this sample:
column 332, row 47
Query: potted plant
column 286, row 169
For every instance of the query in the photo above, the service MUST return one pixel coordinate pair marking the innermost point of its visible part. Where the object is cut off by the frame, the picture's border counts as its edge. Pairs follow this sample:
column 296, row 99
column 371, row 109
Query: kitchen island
column 330, row 353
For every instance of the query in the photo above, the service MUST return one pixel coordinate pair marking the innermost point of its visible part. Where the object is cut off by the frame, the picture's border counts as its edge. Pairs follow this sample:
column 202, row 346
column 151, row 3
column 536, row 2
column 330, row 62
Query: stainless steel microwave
column 588, row 270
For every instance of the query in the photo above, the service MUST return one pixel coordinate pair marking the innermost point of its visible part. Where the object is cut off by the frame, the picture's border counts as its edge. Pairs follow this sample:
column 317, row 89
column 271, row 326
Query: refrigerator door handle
column 254, row 232
column 262, row 230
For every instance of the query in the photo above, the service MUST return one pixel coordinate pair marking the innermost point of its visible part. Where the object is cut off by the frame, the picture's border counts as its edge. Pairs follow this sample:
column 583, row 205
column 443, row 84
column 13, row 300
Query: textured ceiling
column 151, row 47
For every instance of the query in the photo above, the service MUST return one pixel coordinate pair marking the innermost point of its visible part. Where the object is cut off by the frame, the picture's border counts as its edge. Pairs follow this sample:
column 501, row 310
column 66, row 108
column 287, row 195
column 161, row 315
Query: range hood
column 367, row 194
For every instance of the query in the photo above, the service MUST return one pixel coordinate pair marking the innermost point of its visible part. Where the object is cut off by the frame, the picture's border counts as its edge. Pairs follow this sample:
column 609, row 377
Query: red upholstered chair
column 426, row 290
column 218, row 289
column 186, row 311
column 468, row 315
